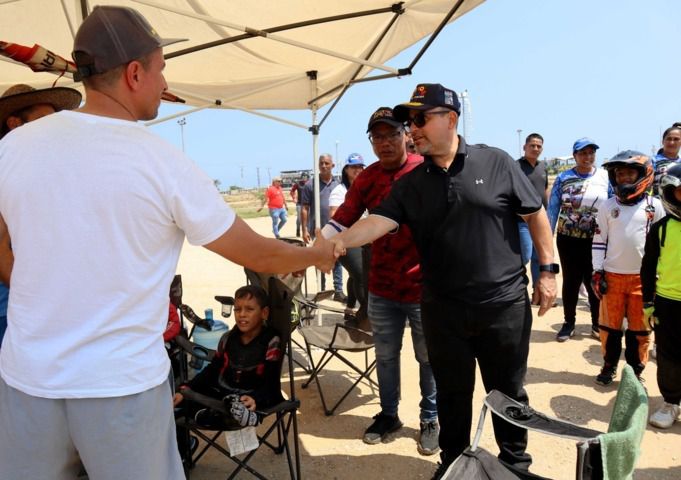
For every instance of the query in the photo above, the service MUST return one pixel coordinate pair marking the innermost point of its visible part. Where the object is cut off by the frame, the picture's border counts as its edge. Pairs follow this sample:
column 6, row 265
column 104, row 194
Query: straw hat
column 22, row 96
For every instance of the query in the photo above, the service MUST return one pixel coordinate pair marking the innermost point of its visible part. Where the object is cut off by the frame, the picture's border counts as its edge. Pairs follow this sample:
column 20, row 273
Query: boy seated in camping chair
column 243, row 374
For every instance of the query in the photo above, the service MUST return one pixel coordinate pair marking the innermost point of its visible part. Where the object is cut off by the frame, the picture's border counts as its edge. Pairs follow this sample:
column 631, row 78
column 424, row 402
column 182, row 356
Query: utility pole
column 520, row 143
column 257, row 171
column 464, row 101
column 182, row 122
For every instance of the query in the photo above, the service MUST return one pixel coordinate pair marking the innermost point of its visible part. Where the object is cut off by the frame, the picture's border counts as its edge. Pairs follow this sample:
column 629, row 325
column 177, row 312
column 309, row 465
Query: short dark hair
column 101, row 81
column 253, row 291
column 532, row 136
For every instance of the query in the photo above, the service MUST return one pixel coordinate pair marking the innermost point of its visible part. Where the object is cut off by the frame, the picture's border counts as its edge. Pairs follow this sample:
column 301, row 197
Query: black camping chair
column 283, row 415
column 335, row 340
column 595, row 452
column 294, row 285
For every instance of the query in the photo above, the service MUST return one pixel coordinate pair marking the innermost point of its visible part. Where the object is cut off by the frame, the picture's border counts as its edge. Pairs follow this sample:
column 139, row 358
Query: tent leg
column 481, row 424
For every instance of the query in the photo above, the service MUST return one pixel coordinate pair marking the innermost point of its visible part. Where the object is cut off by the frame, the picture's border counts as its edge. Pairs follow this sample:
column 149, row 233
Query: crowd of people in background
column 404, row 227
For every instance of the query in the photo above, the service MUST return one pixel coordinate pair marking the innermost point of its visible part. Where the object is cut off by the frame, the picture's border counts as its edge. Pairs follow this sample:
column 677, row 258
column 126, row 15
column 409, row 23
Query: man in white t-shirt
column 97, row 208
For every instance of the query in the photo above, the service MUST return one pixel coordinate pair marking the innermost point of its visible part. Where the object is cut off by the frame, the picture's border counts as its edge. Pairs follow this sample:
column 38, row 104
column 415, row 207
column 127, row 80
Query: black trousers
column 498, row 338
column 668, row 335
column 575, row 264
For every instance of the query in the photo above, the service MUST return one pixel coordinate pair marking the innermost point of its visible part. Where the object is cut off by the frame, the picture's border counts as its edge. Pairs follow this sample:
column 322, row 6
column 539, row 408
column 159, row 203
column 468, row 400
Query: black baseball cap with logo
column 383, row 115
column 427, row 96
column 111, row 36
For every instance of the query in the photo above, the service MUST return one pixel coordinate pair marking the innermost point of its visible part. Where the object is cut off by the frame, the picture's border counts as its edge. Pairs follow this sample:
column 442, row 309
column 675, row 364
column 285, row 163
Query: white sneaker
column 665, row 416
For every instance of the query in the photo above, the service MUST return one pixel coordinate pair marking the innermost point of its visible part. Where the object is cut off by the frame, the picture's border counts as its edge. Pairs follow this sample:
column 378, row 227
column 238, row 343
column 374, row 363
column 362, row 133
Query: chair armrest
column 194, row 349
column 285, row 405
column 526, row 417
column 205, row 400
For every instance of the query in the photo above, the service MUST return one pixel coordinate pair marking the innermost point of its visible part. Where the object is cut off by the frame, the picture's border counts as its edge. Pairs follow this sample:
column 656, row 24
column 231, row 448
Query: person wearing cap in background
column 576, row 195
column 83, row 368
column 276, row 203
column 327, row 182
column 461, row 205
column 295, row 196
column 21, row 104
column 394, row 282
column 352, row 260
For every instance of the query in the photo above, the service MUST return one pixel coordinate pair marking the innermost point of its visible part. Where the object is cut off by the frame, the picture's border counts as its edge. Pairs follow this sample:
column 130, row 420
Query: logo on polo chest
column 478, row 181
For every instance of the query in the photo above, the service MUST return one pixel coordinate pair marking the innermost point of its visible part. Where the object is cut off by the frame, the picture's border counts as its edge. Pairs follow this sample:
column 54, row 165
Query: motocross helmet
column 630, row 193
column 668, row 183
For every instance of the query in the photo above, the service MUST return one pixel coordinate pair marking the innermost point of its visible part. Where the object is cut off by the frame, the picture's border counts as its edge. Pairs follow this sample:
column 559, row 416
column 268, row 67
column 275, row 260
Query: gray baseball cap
column 112, row 36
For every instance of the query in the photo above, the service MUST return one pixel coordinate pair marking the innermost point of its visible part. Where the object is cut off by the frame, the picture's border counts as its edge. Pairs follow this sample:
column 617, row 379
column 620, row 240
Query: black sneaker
column 428, row 438
column 607, row 375
column 340, row 297
column 566, row 331
column 382, row 426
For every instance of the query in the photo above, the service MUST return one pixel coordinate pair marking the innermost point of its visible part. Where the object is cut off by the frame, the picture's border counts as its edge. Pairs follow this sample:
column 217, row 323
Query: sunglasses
column 421, row 118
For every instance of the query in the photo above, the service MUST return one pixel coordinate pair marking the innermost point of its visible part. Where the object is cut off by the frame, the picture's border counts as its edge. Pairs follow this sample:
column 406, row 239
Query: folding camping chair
column 334, row 340
column 599, row 455
column 283, row 415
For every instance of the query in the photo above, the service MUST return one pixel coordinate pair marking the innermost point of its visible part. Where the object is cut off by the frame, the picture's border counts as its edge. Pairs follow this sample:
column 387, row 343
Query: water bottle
column 207, row 339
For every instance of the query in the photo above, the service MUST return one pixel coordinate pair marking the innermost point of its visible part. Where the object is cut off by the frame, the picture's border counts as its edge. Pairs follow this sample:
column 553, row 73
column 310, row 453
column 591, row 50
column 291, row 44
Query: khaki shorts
column 116, row 438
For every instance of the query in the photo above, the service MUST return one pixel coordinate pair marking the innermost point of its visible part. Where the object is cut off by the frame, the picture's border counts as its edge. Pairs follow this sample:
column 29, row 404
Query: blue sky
column 605, row 69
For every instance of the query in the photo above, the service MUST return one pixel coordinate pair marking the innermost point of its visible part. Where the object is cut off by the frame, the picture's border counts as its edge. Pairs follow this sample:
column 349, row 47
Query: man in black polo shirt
column 535, row 170
column 462, row 206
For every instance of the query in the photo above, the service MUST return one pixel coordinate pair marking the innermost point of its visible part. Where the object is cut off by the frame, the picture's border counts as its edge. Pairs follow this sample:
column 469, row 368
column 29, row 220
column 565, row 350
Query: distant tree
column 217, row 184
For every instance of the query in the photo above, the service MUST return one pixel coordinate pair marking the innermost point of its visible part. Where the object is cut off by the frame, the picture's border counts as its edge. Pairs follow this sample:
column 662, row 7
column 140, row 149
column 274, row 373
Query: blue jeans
column 528, row 252
column 337, row 273
column 388, row 319
column 3, row 327
column 279, row 217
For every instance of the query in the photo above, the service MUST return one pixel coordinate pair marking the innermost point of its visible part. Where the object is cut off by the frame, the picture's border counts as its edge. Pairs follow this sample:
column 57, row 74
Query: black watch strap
column 550, row 267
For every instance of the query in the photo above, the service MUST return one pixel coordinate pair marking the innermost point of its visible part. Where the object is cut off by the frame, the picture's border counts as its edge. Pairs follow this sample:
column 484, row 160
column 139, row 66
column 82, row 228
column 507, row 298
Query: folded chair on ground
column 279, row 431
column 607, row 456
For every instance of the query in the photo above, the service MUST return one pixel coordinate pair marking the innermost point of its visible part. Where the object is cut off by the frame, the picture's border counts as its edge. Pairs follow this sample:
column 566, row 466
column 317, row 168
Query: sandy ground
column 560, row 382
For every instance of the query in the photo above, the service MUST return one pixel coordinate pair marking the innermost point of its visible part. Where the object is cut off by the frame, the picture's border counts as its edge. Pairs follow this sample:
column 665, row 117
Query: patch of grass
column 250, row 212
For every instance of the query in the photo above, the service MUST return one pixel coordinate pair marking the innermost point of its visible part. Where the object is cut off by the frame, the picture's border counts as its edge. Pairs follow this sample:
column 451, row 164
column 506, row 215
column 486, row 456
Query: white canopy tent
column 251, row 55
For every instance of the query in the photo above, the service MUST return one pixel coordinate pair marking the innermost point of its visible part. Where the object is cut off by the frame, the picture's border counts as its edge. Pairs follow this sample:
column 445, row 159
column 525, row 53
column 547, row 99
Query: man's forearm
column 542, row 237
column 6, row 255
column 239, row 243
column 304, row 212
column 366, row 231
column 6, row 264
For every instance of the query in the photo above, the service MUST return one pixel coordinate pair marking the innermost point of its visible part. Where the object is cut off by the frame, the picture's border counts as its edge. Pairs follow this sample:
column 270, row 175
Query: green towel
column 620, row 446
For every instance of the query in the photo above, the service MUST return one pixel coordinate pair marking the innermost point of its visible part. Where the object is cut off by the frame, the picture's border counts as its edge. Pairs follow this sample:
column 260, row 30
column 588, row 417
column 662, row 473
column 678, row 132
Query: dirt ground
column 560, row 383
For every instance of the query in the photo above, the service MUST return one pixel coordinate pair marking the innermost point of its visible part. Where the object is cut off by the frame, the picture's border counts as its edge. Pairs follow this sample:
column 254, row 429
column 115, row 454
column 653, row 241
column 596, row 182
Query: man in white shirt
column 83, row 369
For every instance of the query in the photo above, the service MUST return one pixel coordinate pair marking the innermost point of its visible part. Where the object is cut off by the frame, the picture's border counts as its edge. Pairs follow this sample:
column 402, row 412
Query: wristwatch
column 550, row 267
